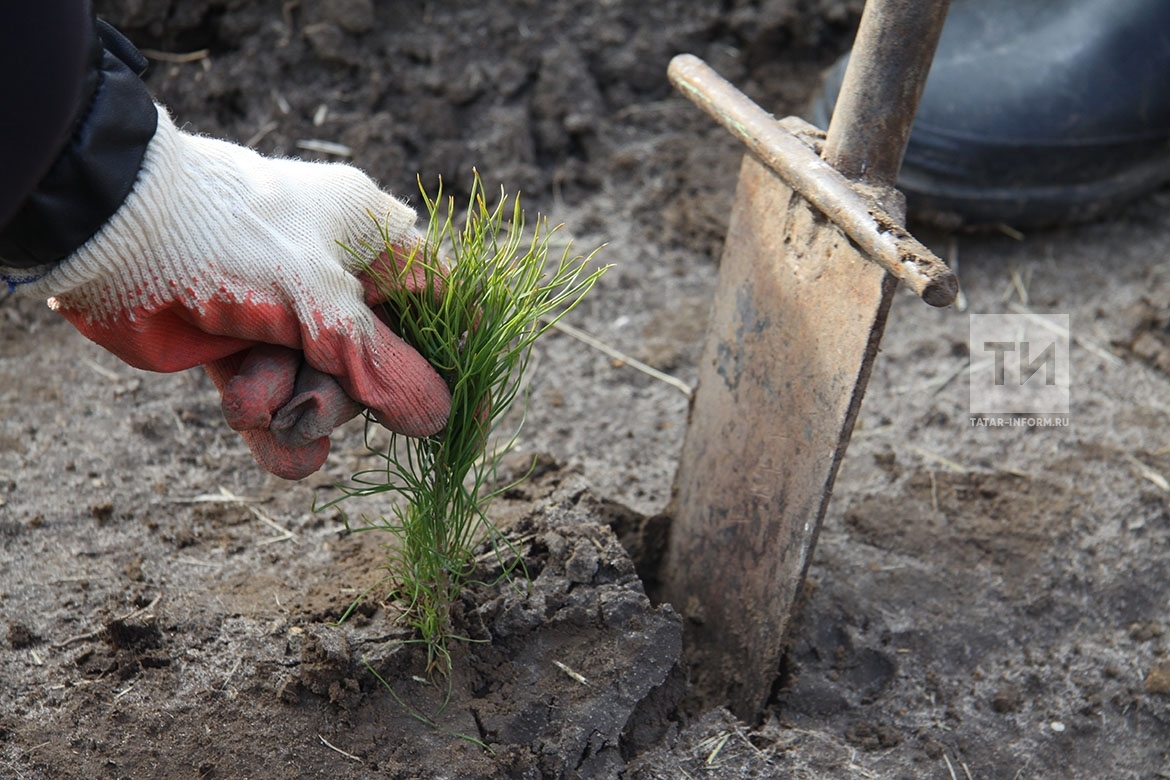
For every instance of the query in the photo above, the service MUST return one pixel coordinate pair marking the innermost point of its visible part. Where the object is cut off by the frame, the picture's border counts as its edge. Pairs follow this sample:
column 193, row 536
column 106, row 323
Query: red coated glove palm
column 284, row 408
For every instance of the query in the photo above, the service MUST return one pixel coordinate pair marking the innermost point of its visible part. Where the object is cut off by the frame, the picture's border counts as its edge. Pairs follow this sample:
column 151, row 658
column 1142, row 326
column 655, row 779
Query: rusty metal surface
column 784, row 146
column 796, row 322
column 797, row 317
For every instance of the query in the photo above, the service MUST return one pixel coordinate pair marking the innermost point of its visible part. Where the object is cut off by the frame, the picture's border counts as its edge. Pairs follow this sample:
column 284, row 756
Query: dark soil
column 983, row 603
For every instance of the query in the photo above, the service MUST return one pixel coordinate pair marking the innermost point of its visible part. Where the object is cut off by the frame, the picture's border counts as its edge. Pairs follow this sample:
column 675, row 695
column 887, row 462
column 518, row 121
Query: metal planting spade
column 814, row 250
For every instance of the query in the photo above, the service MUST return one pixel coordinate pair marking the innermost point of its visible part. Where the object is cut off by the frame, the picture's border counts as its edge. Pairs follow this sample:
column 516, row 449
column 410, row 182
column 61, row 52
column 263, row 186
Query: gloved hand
column 218, row 249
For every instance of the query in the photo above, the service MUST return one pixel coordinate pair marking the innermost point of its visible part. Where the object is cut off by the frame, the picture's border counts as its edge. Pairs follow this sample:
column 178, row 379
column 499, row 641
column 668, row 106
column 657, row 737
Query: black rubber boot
column 1037, row 113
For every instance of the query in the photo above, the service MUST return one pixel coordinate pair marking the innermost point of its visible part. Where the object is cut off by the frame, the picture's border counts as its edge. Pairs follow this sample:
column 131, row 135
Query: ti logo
column 1020, row 365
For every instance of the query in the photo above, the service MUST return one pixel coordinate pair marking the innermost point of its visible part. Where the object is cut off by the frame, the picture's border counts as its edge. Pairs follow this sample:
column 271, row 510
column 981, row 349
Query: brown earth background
column 983, row 603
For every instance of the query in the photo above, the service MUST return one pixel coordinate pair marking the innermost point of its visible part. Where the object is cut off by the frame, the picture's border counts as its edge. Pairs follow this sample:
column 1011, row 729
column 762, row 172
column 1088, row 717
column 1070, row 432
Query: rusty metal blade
column 797, row 318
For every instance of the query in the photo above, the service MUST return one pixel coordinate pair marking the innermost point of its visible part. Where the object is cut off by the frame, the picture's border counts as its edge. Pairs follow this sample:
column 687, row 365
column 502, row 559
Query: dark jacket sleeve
column 73, row 132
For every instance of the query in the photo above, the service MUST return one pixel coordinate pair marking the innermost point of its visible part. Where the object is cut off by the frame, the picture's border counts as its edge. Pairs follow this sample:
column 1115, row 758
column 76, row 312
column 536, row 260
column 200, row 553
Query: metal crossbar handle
column 788, row 147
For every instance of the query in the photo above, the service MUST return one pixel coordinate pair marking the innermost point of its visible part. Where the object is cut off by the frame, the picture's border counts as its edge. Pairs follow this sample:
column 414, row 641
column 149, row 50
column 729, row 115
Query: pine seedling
column 495, row 296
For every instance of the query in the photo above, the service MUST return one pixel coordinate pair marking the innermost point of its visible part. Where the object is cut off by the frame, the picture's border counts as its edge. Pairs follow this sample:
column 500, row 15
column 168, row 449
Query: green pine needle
column 499, row 294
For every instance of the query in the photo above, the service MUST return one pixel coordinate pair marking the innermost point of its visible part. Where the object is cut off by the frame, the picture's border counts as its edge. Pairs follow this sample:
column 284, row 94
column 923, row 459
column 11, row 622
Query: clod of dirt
column 1007, row 699
column 132, row 646
column 1148, row 336
column 571, row 698
column 873, row 736
column 570, row 674
column 122, row 634
column 21, row 636
column 1158, row 679
column 327, row 666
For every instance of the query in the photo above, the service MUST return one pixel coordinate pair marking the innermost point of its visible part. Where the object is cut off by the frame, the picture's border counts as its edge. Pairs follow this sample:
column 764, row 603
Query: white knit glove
column 218, row 249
